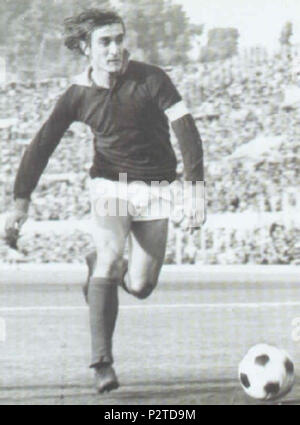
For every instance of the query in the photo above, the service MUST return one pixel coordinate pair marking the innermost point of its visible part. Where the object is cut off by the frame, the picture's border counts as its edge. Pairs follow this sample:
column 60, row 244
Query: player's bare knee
column 110, row 268
column 142, row 291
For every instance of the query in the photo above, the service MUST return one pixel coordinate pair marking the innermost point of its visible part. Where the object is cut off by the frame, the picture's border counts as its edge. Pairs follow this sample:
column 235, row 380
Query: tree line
column 159, row 32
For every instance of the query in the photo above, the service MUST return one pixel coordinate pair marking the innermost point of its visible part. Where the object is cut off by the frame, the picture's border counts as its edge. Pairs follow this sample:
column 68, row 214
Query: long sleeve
column 169, row 100
column 37, row 154
column 191, row 147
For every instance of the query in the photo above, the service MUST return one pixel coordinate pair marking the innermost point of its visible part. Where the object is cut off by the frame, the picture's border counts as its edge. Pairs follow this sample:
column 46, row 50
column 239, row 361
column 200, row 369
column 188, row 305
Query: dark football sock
column 103, row 303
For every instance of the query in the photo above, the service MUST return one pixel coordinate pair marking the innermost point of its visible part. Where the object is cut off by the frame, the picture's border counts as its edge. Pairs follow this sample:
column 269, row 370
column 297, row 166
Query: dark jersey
column 131, row 131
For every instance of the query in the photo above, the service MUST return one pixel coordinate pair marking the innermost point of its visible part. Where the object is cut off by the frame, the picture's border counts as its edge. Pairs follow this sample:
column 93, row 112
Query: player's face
column 107, row 48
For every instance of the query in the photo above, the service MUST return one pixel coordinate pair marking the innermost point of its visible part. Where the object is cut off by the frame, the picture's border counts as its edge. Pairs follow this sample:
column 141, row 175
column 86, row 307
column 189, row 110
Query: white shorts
column 138, row 200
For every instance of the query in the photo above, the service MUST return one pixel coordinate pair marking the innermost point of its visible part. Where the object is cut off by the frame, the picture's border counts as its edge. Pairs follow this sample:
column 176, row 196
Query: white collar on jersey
column 85, row 78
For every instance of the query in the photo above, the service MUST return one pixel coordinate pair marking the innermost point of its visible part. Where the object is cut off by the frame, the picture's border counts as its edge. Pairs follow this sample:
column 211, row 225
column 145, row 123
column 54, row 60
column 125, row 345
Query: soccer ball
column 266, row 372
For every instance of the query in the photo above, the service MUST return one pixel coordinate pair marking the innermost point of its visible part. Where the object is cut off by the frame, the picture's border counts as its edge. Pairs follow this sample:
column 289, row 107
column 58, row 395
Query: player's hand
column 15, row 221
column 196, row 219
column 195, row 211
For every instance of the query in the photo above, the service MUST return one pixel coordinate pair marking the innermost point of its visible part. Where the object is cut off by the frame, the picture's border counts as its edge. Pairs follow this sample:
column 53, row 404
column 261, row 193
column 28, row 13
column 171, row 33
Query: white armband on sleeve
column 176, row 111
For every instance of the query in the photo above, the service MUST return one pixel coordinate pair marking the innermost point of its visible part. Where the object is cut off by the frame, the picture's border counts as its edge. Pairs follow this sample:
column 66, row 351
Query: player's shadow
column 49, row 392
column 52, row 386
column 130, row 393
column 220, row 390
column 180, row 391
column 209, row 391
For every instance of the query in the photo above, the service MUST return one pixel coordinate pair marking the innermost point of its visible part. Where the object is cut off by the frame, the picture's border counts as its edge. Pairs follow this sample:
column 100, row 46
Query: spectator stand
column 250, row 130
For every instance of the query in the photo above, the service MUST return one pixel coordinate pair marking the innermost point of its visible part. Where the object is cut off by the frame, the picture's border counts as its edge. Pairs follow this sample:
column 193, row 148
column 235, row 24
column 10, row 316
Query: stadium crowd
column 234, row 103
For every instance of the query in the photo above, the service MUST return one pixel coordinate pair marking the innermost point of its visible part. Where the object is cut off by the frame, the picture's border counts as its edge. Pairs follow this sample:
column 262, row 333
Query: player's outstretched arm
column 35, row 160
column 192, row 152
column 190, row 144
column 36, row 156
column 169, row 100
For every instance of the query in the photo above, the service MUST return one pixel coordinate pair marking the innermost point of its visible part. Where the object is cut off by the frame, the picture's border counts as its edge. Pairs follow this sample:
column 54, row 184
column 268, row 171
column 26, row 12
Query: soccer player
column 128, row 106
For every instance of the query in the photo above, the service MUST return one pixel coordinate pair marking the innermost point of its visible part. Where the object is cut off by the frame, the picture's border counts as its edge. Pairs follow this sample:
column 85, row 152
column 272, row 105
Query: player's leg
column 90, row 260
column 147, row 247
column 109, row 235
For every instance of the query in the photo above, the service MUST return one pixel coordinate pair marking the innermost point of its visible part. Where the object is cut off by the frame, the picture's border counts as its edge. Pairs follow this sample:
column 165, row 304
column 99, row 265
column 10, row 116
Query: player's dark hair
column 79, row 28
